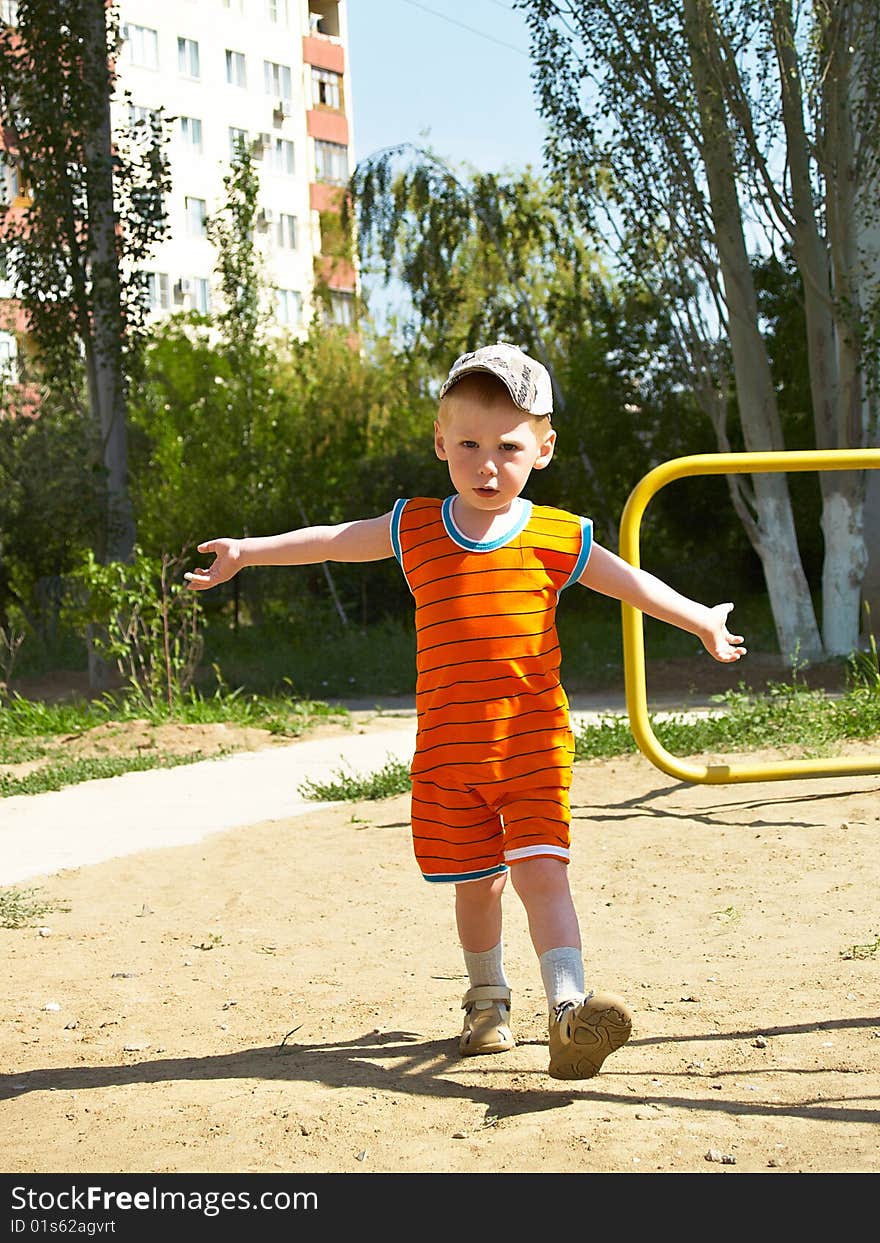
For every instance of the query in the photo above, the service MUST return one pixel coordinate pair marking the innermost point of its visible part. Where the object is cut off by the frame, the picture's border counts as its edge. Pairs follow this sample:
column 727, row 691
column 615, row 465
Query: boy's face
column 491, row 450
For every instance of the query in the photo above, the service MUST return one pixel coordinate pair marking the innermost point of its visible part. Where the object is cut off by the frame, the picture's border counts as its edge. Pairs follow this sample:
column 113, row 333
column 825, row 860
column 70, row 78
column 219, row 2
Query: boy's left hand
column 717, row 640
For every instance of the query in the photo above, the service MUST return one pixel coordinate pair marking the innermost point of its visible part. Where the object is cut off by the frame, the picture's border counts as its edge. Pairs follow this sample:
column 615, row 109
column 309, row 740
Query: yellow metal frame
column 633, row 631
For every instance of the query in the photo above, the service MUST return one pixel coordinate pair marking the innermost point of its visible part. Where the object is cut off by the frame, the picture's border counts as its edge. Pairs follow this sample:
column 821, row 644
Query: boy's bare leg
column 478, row 912
column 487, row 1001
column 543, row 889
column 584, row 1029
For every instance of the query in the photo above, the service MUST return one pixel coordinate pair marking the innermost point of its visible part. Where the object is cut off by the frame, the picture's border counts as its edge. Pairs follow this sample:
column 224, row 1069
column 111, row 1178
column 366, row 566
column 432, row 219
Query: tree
column 679, row 130
column 485, row 256
column 92, row 210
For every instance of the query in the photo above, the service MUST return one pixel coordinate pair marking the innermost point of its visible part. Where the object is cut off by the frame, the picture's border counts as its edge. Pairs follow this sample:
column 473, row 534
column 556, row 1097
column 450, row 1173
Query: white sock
column 562, row 971
column 486, row 968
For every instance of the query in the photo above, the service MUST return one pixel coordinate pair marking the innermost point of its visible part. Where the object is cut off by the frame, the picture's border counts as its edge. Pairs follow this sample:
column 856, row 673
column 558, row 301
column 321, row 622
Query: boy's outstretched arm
column 612, row 576
column 367, row 539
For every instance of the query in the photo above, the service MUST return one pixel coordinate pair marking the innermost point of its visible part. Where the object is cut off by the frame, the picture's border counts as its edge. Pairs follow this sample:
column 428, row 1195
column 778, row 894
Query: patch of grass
column 20, row 907
column 869, row 950
column 73, row 772
column 785, row 715
column 20, row 750
column 31, row 718
column 280, row 713
column 344, row 786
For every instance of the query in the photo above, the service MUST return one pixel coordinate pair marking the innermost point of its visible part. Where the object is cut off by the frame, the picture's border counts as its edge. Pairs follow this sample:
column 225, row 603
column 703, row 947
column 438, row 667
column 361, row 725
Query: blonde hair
column 484, row 389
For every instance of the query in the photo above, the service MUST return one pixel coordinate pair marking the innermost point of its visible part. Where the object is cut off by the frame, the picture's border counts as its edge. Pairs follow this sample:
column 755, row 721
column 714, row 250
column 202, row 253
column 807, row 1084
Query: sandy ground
column 284, row 997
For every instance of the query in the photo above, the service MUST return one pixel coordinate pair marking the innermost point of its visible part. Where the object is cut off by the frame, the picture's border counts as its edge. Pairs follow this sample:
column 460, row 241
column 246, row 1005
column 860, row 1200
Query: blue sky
column 450, row 74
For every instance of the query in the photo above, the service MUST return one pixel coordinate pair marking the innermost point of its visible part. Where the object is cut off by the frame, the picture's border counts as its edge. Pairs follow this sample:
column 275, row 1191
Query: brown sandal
column 486, row 1021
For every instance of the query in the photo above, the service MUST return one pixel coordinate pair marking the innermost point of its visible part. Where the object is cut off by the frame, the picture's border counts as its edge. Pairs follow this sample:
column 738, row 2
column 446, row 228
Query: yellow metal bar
column 633, row 632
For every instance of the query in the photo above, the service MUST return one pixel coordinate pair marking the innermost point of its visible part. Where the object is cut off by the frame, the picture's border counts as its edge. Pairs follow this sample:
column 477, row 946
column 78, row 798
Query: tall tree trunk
column 843, row 492
column 103, row 339
column 107, row 394
column 775, row 537
column 832, row 353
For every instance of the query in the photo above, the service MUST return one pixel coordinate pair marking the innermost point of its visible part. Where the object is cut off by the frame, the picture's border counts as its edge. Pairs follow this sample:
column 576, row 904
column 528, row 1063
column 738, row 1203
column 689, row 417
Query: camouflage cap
column 527, row 381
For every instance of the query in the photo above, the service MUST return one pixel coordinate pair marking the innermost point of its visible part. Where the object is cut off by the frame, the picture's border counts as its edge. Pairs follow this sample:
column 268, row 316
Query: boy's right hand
column 226, row 564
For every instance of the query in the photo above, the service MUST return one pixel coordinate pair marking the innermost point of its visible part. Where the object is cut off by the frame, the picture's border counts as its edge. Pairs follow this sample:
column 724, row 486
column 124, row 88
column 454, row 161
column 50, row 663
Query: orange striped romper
column 494, row 749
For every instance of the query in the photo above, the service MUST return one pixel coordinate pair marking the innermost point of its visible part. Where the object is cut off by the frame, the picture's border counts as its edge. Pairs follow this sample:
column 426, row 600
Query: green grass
column 74, row 772
column 869, row 950
column 20, row 907
column 28, row 729
column 279, row 713
column 785, row 715
column 392, row 778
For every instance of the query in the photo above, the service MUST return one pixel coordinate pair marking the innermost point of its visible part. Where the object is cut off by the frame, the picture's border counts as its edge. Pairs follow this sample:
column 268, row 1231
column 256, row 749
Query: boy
column 494, row 749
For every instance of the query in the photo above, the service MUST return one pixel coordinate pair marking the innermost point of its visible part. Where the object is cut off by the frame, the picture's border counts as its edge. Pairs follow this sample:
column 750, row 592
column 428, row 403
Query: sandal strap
column 485, row 992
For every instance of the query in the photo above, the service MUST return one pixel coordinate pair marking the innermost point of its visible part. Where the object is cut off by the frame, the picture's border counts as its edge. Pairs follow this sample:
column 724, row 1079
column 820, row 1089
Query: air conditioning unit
column 265, row 217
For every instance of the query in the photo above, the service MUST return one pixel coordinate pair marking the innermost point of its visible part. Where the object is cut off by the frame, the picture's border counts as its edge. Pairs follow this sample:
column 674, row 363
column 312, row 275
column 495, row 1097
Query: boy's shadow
column 418, row 1067
column 427, row 1068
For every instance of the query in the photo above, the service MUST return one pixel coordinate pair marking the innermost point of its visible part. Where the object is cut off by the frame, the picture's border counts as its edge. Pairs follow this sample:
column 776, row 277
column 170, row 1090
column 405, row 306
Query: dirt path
column 285, row 997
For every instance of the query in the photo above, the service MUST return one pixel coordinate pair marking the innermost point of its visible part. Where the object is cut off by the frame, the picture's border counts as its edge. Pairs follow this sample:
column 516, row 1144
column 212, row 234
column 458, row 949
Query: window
column 285, row 234
column 158, row 291
column 188, row 58
column 15, row 188
column 326, row 89
column 236, row 73
column 191, row 134
column 234, row 6
column 143, row 46
column 281, row 156
column 201, row 295
column 141, row 116
column 288, row 306
column 8, row 359
column 277, row 79
column 331, row 162
column 341, row 309
column 238, row 141
column 196, row 217
column 277, row 11
column 324, row 18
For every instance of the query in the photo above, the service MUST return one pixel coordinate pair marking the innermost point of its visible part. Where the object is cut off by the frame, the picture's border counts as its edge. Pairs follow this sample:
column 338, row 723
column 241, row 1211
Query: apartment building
column 272, row 74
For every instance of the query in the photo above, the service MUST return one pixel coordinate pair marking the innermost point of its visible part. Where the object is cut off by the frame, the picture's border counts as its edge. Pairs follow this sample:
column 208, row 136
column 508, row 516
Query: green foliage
column 336, row 434
column 231, row 231
column 50, row 508
column 869, row 949
column 55, row 88
column 20, row 907
column 479, row 255
column 787, row 715
column 10, row 641
column 864, row 667
column 393, row 778
column 73, row 772
column 91, row 207
column 27, row 725
column 143, row 619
